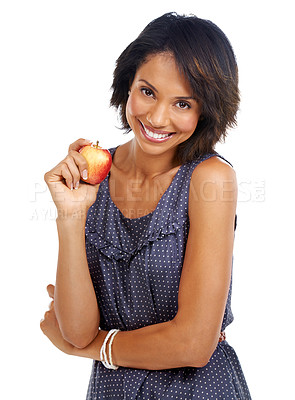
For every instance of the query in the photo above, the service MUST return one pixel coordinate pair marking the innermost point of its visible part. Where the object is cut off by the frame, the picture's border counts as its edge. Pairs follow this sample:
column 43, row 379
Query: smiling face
column 161, row 109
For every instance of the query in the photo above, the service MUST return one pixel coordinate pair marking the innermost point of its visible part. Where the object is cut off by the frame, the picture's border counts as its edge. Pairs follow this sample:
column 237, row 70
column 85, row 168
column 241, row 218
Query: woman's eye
column 183, row 105
column 147, row 92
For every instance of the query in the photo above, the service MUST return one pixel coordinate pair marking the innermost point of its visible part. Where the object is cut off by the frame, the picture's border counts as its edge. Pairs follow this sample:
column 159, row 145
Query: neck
column 147, row 166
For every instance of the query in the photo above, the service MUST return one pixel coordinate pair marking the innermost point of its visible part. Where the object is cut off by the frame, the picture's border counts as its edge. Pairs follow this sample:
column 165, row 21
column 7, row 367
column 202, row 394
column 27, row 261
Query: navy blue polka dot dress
column 135, row 266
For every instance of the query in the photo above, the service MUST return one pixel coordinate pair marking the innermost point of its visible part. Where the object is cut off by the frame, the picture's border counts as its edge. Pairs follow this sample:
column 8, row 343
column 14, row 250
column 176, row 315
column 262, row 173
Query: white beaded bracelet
column 110, row 349
column 103, row 355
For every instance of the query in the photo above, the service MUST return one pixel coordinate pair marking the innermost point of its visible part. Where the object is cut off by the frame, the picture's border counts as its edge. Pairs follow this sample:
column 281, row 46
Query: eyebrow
column 177, row 97
column 149, row 84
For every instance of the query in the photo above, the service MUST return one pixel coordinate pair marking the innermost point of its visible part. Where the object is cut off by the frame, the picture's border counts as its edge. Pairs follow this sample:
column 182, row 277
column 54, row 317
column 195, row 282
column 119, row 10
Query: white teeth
column 155, row 135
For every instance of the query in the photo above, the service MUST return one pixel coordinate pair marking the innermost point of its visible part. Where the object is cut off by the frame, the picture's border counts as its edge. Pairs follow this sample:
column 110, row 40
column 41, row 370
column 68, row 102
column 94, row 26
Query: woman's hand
column 71, row 196
column 50, row 327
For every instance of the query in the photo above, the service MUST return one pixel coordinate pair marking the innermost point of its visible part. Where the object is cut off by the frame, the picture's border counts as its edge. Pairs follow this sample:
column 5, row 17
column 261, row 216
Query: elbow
column 199, row 362
column 76, row 332
column 77, row 341
column 202, row 349
column 196, row 356
column 79, row 338
column 80, row 341
column 195, row 349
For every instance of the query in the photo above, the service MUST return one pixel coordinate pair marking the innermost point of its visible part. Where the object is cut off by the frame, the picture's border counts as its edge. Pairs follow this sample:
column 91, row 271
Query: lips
column 153, row 135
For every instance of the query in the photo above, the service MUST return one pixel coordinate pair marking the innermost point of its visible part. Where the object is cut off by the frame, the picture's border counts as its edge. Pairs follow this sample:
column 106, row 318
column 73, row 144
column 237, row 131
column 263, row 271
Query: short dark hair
column 206, row 58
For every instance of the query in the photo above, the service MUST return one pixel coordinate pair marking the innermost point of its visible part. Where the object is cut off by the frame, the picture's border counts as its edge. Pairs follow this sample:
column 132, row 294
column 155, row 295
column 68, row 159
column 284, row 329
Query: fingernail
column 77, row 185
column 84, row 174
column 72, row 186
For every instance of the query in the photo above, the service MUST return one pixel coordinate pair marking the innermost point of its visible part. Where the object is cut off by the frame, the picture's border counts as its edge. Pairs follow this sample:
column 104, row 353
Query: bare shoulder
column 213, row 181
column 214, row 167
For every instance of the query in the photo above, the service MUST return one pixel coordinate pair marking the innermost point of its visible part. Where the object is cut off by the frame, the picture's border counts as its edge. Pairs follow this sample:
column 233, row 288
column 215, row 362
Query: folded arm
column 192, row 336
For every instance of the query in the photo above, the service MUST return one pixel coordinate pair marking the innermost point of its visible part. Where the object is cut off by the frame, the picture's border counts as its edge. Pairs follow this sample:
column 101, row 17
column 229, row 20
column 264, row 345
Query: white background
column 57, row 59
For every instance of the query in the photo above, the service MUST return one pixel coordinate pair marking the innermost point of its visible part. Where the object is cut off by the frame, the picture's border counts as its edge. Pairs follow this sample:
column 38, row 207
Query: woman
column 143, row 283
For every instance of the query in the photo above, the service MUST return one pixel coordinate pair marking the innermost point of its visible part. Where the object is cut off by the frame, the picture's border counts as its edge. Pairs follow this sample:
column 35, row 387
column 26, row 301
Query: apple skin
column 99, row 163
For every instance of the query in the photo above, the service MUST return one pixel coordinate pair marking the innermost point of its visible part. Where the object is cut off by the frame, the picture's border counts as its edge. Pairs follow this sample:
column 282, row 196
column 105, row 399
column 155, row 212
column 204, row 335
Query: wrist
column 106, row 356
column 75, row 216
column 70, row 227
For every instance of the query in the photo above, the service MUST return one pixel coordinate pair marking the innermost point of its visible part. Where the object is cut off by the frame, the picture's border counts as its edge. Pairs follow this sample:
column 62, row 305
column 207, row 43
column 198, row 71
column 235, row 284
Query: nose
column 158, row 116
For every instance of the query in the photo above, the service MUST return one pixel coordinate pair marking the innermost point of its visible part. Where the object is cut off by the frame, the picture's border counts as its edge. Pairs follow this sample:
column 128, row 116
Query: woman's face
column 161, row 109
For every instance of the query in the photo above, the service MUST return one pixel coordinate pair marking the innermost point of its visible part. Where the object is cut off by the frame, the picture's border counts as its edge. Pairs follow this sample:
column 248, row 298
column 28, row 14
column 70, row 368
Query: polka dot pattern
column 135, row 266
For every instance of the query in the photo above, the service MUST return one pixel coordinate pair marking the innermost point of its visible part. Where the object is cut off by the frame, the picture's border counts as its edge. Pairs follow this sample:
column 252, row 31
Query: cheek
column 134, row 106
column 188, row 124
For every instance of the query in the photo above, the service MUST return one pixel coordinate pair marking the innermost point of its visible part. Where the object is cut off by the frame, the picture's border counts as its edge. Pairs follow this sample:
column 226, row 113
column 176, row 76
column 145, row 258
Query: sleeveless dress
column 135, row 266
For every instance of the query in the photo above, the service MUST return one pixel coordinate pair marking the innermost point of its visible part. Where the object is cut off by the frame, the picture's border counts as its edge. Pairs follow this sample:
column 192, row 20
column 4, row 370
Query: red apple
column 99, row 162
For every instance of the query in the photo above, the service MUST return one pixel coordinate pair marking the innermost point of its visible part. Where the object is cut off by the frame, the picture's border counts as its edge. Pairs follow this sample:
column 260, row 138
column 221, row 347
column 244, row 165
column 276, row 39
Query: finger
column 54, row 175
column 44, row 320
column 50, row 289
column 74, row 170
column 66, row 174
column 81, row 163
column 76, row 146
column 51, row 305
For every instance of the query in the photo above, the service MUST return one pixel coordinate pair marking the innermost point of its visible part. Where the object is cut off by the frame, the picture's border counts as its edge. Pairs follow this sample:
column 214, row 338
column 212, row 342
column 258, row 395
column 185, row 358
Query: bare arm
column 192, row 336
column 75, row 300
